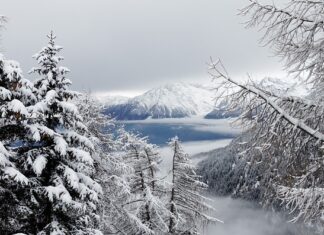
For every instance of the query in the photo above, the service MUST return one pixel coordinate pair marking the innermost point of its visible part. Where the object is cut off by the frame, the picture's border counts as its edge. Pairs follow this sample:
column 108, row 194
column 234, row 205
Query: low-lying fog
column 244, row 218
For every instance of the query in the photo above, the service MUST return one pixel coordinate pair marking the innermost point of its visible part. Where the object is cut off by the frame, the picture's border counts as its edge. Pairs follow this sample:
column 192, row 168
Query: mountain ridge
column 179, row 100
column 174, row 100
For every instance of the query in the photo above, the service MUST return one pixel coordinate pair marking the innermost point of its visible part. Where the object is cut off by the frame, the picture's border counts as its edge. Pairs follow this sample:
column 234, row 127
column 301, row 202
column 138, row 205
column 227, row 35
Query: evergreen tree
column 60, row 163
column 15, row 97
column 187, row 206
column 112, row 171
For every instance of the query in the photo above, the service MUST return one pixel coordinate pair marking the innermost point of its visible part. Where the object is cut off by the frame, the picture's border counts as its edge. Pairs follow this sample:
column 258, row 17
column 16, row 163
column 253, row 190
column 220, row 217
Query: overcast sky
column 132, row 45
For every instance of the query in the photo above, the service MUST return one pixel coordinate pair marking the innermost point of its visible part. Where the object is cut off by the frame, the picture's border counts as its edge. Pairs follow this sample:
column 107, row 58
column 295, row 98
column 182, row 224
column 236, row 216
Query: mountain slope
column 170, row 101
column 179, row 100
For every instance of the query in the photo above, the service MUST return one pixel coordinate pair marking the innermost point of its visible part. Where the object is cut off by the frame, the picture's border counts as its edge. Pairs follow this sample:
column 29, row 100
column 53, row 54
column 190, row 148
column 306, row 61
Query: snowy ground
column 240, row 217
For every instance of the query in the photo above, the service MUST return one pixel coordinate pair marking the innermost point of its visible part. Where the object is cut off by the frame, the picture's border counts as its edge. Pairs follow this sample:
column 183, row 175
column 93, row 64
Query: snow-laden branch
column 305, row 203
column 220, row 72
column 272, row 9
column 295, row 32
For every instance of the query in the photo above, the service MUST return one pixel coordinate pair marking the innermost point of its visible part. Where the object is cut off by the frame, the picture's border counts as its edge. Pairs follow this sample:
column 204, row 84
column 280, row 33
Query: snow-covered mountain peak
column 167, row 101
column 175, row 100
column 194, row 99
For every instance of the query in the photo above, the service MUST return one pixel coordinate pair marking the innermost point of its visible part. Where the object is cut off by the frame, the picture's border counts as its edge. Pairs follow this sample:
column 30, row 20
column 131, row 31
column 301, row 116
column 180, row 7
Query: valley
column 201, row 135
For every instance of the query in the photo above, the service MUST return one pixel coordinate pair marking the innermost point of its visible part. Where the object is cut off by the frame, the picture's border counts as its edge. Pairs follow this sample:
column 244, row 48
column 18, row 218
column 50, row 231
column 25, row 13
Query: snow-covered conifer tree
column 149, row 194
column 188, row 206
column 63, row 193
column 153, row 159
column 112, row 171
column 121, row 208
column 15, row 97
column 153, row 210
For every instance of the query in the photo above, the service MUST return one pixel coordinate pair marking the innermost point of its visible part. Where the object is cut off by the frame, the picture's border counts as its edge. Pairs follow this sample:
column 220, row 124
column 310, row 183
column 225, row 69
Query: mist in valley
column 240, row 217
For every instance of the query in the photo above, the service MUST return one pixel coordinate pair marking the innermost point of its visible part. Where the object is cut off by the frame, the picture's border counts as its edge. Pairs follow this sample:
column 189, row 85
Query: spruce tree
column 64, row 195
column 15, row 97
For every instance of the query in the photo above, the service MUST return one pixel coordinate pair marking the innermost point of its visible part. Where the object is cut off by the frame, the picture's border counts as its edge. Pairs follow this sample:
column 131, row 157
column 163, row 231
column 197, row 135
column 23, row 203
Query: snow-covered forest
column 72, row 162
column 62, row 174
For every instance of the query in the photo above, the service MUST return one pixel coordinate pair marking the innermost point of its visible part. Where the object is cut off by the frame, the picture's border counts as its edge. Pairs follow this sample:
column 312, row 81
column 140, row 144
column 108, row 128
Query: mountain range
column 174, row 100
column 178, row 100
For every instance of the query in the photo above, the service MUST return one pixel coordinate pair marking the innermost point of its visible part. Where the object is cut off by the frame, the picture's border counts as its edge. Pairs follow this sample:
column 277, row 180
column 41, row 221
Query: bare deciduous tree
column 288, row 130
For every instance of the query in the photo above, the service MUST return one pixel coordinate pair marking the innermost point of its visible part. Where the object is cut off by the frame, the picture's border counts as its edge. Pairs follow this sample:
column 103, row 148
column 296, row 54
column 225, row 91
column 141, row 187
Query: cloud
column 134, row 45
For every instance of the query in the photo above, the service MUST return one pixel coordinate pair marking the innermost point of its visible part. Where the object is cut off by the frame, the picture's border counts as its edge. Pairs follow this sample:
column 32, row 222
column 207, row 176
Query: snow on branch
column 218, row 71
column 295, row 32
column 305, row 203
column 13, row 173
